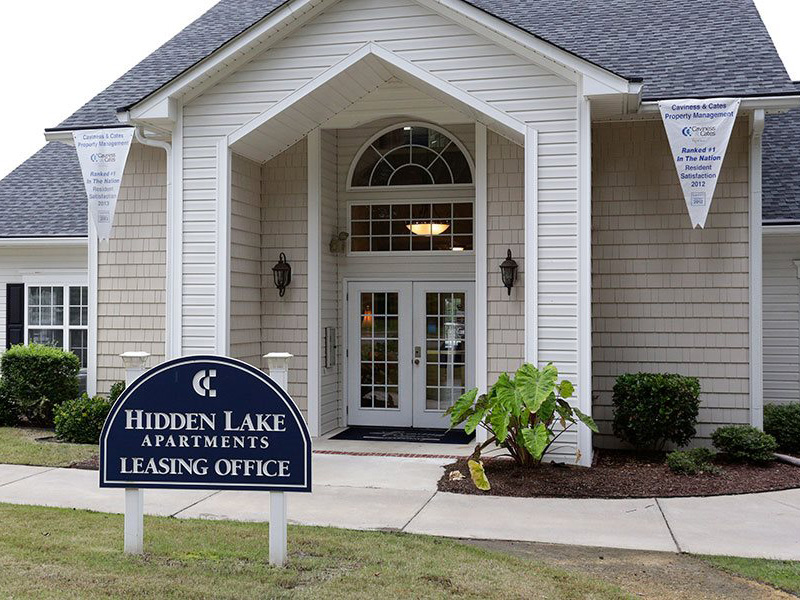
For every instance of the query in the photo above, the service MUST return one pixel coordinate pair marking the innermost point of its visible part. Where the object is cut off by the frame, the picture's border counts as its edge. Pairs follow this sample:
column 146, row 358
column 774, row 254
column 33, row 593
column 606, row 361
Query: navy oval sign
column 205, row 422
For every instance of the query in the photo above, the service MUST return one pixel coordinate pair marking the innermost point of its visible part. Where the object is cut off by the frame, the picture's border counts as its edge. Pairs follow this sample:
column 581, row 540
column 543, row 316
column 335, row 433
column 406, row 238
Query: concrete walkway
column 399, row 494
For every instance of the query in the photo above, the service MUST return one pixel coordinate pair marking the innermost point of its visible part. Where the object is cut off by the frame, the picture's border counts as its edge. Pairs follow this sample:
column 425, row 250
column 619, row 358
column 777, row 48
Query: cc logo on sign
column 202, row 383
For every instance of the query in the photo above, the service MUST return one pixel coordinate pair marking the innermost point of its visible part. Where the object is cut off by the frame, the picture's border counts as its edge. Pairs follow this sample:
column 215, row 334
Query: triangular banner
column 102, row 154
column 698, row 132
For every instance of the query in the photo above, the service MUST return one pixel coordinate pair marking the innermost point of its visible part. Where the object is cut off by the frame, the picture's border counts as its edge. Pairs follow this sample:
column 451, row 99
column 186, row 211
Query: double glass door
column 410, row 351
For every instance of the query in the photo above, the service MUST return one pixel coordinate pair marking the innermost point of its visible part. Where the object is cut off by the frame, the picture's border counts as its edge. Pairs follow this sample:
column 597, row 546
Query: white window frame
column 64, row 281
column 400, row 188
column 393, row 201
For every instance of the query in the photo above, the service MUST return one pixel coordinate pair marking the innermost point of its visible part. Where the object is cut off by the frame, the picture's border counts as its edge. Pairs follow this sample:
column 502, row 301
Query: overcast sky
column 51, row 65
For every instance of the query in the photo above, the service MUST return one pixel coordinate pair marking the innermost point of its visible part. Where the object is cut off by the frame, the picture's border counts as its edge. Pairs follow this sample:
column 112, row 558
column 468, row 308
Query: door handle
column 417, row 354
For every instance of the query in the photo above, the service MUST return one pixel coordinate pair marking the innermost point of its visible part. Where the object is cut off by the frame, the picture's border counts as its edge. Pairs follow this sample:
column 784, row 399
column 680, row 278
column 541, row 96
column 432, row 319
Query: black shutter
column 15, row 315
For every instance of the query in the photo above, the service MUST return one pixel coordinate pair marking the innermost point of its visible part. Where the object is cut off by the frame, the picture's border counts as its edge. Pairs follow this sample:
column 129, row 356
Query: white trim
column 92, row 282
column 314, row 395
column 756, row 277
column 193, row 81
column 43, row 241
column 400, row 125
column 780, row 229
column 412, row 70
column 531, row 252
column 174, row 283
column 797, row 266
column 479, row 237
column 584, row 387
column 223, row 264
column 529, row 46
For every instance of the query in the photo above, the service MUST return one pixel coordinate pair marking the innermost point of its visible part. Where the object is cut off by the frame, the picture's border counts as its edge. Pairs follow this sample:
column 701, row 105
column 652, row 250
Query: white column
column 531, row 246
column 481, row 275
column 278, row 364
column 91, row 355
column 756, row 274
column 223, row 309
column 314, row 336
column 135, row 366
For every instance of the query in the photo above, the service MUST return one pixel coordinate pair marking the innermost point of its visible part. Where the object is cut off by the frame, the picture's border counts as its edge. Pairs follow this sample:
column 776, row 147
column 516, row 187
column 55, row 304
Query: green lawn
column 58, row 553
column 19, row 445
column 782, row 574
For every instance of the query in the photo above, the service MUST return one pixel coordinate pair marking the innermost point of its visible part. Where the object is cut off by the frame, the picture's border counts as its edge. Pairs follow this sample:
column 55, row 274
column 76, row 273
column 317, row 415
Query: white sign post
column 135, row 364
column 698, row 132
column 102, row 154
column 278, row 363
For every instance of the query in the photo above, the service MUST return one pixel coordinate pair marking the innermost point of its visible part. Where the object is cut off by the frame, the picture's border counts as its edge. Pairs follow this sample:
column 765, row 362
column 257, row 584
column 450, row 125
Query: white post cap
column 135, row 360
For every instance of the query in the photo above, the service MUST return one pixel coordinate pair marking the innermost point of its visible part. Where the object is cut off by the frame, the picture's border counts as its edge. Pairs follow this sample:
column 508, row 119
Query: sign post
column 278, row 363
column 135, row 365
column 206, row 423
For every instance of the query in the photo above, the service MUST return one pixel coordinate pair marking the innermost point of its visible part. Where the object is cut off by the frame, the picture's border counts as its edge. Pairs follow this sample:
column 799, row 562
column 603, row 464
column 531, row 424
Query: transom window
column 411, row 155
column 59, row 316
column 415, row 227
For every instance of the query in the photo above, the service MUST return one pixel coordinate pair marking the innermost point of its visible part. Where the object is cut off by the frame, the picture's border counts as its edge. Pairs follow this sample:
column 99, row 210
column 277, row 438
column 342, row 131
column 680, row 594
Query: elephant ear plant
column 521, row 414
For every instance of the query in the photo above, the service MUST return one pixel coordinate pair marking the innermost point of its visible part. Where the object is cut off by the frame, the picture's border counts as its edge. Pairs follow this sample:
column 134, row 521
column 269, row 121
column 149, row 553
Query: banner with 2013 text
column 698, row 132
column 102, row 154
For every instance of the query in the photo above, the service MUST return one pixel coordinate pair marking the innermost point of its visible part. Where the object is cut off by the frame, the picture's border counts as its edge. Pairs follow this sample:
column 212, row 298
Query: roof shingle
column 781, row 168
column 45, row 196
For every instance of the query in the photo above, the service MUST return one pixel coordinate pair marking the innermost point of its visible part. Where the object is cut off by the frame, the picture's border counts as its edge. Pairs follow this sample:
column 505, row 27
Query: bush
column 116, row 391
column 691, row 462
column 745, row 443
column 81, row 420
column 39, row 378
column 782, row 421
column 520, row 414
column 651, row 409
column 8, row 410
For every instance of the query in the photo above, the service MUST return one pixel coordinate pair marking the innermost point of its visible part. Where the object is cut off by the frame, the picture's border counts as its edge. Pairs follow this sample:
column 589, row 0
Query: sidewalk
column 399, row 494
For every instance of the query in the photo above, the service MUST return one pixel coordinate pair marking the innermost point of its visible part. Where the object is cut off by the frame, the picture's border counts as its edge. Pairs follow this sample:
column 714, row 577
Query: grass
column 60, row 553
column 19, row 445
column 781, row 574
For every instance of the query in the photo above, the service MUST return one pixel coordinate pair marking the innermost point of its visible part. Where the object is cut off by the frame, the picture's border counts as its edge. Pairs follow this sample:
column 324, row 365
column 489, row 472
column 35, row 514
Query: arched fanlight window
column 411, row 155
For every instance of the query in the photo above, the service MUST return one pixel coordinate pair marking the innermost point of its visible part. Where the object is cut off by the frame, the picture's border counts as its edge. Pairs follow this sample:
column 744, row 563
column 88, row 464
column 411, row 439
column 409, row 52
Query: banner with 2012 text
column 102, row 154
column 698, row 132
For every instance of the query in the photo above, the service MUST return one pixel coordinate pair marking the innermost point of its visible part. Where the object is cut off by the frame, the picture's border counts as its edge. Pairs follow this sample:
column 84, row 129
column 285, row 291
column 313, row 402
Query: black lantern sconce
column 508, row 271
column 282, row 273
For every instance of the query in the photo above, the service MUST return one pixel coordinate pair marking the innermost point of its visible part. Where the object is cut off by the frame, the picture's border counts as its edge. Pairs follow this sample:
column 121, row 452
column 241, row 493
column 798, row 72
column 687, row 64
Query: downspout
column 756, row 277
column 169, row 343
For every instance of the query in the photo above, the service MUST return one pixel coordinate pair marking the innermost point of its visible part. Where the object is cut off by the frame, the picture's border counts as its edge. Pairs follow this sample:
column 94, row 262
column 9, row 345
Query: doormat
column 405, row 434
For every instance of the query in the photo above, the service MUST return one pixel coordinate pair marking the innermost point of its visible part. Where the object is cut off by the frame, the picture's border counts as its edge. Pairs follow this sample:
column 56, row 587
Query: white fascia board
column 163, row 112
column 766, row 103
column 390, row 58
column 238, row 50
column 59, row 136
column 528, row 45
column 45, row 242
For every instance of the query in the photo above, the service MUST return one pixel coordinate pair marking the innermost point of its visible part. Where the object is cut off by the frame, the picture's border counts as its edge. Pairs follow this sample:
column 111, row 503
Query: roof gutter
column 16, row 242
column 767, row 103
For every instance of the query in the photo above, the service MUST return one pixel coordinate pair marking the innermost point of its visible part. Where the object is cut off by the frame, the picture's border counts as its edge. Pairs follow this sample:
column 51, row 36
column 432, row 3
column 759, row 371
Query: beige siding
column 331, row 414
column 131, row 296
column 505, row 230
column 284, row 321
column 666, row 297
column 524, row 90
column 245, row 302
column 781, row 319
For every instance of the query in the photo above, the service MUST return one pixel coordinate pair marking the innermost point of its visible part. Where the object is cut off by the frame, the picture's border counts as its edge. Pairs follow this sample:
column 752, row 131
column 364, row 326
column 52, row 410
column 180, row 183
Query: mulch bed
column 92, row 464
column 620, row 474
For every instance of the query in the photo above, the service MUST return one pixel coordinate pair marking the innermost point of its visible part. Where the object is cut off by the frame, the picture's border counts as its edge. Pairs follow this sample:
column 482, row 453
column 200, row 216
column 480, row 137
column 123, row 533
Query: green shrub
column 691, row 462
column 745, row 443
column 39, row 378
column 81, row 420
column 116, row 391
column 520, row 414
column 8, row 410
column 782, row 421
column 651, row 409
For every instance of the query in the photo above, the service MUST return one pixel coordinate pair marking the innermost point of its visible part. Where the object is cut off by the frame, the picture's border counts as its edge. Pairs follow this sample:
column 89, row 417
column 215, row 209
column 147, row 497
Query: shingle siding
column 665, row 297
column 131, row 282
